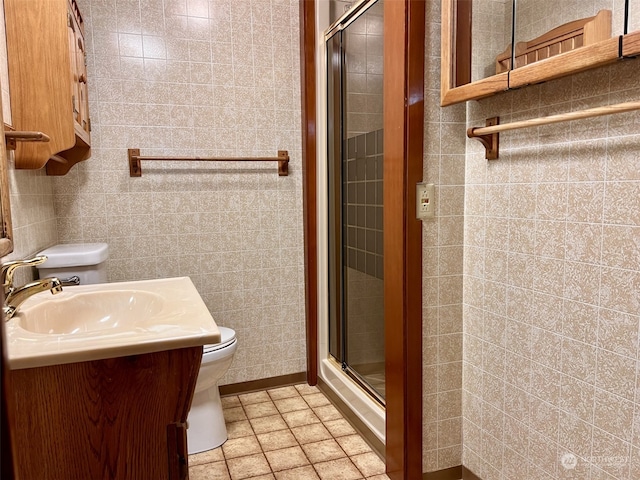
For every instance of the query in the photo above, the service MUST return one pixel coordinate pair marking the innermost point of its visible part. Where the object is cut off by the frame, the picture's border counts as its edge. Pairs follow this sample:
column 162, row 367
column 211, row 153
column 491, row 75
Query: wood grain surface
column 104, row 419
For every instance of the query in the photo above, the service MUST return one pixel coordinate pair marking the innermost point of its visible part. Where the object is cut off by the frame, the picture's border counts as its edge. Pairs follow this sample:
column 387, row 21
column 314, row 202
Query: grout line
column 289, row 429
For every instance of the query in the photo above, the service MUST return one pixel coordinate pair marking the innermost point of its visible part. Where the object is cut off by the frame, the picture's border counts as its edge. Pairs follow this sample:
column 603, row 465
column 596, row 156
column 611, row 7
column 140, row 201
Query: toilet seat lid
column 228, row 336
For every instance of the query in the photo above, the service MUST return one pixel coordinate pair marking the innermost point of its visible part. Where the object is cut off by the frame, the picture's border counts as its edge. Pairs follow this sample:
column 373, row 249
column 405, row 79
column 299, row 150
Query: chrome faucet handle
column 7, row 269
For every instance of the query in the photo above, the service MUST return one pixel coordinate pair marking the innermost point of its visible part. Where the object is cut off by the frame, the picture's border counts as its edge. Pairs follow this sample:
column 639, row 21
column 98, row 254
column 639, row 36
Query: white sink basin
column 116, row 310
column 94, row 322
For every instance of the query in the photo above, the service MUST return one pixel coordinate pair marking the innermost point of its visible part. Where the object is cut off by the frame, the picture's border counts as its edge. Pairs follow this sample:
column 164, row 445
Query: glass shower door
column 355, row 160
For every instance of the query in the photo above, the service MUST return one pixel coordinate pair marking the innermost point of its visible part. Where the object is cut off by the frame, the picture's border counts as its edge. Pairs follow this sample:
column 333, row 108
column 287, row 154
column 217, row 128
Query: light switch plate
column 425, row 201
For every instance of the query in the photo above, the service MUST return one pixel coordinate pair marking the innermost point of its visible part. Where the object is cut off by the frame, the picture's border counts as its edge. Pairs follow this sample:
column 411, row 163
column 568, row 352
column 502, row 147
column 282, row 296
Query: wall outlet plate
column 425, row 201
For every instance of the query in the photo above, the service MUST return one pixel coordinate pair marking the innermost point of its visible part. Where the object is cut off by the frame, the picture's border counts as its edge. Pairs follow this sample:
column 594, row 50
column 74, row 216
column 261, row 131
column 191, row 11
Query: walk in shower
column 354, row 161
column 354, row 187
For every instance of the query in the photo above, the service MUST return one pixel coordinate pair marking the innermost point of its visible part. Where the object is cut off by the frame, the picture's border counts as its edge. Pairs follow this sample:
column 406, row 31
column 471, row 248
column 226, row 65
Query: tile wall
column 442, row 255
column 363, row 44
column 364, row 183
column 634, row 18
column 551, row 286
column 363, row 246
column 207, row 78
column 491, row 35
column 365, row 313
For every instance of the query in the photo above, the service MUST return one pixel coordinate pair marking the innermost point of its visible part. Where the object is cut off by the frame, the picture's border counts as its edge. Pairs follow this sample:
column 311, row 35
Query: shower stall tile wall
column 364, row 203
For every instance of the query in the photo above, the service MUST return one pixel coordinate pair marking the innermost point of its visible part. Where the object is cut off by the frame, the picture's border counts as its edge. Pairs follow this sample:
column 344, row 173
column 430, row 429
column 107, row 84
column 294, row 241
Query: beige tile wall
column 552, row 286
column 491, row 35
column 208, row 78
column 634, row 17
column 32, row 214
column 442, row 255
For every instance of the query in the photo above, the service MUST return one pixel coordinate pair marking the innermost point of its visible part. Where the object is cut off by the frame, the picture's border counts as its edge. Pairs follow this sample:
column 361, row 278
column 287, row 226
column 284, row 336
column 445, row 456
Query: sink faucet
column 15, row 296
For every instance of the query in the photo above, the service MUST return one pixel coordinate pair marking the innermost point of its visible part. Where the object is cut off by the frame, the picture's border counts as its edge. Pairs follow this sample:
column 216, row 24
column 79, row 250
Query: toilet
column 86, row 261
column 206, row 428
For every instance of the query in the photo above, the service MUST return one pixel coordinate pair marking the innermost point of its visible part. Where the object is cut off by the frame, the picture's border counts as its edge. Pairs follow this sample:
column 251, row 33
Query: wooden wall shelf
column 592, row 33
column 631, row 44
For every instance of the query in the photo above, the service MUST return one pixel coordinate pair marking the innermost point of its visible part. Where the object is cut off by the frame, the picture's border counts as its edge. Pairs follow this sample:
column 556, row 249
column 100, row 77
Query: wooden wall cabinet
column 456, row 84
column 118, row 418
column 48, row 82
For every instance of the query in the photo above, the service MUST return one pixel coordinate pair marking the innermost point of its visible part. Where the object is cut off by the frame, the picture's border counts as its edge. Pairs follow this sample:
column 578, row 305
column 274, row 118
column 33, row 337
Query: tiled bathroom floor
column 289, row 433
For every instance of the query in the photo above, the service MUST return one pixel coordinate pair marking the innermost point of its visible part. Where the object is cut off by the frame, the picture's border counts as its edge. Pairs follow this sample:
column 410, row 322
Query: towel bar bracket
column 490, row 141
column 135, row 169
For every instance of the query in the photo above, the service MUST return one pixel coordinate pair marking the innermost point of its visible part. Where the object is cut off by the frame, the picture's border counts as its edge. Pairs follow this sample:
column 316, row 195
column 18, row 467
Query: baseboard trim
column 366, row 433
column 263, row 384
column 453, row 473
column 469, row 475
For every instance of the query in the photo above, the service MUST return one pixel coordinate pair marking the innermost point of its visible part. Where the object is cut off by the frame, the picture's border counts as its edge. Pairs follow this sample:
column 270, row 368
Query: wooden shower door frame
column 404, row 30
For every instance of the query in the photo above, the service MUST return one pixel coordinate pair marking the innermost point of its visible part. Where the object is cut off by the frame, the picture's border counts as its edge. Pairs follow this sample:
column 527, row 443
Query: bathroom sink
column 107, row 320
column 92, row 311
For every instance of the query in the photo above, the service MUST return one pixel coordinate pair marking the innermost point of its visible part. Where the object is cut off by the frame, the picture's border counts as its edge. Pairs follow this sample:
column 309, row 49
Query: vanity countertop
column 95, row 322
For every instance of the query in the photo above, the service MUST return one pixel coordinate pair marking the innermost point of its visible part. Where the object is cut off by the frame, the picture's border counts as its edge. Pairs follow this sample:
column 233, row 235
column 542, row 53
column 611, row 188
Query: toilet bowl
column 207, row 429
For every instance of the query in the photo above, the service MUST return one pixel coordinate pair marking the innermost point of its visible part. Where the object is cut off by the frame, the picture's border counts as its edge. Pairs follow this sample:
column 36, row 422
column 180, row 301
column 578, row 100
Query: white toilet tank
column 87, row 261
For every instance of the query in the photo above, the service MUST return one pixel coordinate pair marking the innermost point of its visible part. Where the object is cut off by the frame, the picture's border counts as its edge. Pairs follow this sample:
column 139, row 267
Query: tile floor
column 289, row 433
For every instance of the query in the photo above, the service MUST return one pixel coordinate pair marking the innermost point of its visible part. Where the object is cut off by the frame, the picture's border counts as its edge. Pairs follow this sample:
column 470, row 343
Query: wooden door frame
column 404, row 30
column 309, row 174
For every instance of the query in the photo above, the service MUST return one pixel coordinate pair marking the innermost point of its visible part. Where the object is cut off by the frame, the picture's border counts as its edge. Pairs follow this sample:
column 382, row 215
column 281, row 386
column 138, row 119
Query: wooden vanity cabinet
column 48, row 82
column 119, row 418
